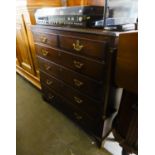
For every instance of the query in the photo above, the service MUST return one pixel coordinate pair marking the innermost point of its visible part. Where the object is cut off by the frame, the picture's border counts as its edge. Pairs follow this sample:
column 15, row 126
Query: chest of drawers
column 76, row 67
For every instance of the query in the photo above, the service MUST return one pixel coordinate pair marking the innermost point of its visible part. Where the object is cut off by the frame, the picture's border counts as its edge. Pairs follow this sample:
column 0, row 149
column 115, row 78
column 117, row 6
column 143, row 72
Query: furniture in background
column 125, row 126
column 26, row 63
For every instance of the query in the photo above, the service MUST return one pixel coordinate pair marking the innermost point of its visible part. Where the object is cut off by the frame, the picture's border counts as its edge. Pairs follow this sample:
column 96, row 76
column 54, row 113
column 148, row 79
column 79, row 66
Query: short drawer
column 89, row 67
column 87, row 47
column 74, row 79
column 92, row 124
column 45, row 38
column 85, row 103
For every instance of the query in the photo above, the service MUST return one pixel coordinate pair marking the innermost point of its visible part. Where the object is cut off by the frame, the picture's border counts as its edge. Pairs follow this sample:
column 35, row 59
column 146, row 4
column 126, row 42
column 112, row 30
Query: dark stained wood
column 42, row 37
column 86, row 47
column 75, row 62
column 126, row 123
column 91, row 124
column 125, row 126
column 96, row 34
column 127, row 62
column 82, row 101
column 88, row 86
column 80, row 79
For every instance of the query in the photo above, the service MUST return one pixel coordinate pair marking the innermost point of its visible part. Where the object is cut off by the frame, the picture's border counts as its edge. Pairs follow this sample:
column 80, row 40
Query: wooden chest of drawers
column 76, row 73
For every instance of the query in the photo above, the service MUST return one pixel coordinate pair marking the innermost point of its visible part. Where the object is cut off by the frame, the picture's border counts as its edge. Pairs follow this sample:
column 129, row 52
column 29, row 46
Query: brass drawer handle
column 77, row 46
column 78, row 64
column 50, row 96
column 48, row 82
column 43, row 39
column 77, row 116
column 44, row 52
column 77, row 100
column 47, row 67
column 78, row 83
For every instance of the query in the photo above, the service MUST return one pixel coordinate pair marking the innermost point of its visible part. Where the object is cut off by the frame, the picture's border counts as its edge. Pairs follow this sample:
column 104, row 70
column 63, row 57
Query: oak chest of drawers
column 76, row 67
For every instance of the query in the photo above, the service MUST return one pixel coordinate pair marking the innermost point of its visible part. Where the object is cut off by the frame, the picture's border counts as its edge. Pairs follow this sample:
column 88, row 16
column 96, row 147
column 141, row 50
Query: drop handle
column 77, row 116
column 47, row 67
column 43, row 39
column 77, row 100
column 77, row 46
column 77, row 83
column 50, row 96
column 48, row 82
column 78, row 64
column 44, row 52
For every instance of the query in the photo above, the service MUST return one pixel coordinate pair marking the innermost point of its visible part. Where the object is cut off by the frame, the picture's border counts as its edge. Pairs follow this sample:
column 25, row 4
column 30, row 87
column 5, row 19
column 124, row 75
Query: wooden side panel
column 32, row 48
column 127, row 62
column 26, row 64
column 23, row 48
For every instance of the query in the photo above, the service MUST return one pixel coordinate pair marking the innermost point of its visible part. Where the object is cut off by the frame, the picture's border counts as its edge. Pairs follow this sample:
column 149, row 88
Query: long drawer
column 74, row 79
column 83, row 65
column 85, row 103
column 95, row 125
column 87, row 47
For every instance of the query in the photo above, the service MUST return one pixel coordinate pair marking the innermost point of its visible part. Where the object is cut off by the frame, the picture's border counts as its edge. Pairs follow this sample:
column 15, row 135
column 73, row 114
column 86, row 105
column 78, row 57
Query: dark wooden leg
column 124, row 152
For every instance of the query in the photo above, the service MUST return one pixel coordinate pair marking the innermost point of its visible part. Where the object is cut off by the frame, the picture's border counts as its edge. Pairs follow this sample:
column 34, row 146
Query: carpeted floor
column 42, row 130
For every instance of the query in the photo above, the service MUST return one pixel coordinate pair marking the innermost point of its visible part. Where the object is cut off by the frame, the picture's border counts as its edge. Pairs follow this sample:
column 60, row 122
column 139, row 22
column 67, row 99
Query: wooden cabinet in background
column 26, row 62
column 23, row 50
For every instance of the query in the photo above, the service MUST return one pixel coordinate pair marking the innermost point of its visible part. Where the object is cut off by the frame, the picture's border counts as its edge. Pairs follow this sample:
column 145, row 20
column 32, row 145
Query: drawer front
column 79, row 64
column 78, row 81
column 49, row 39
column 87, row 47
column 93, row 124
column 83, row 102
